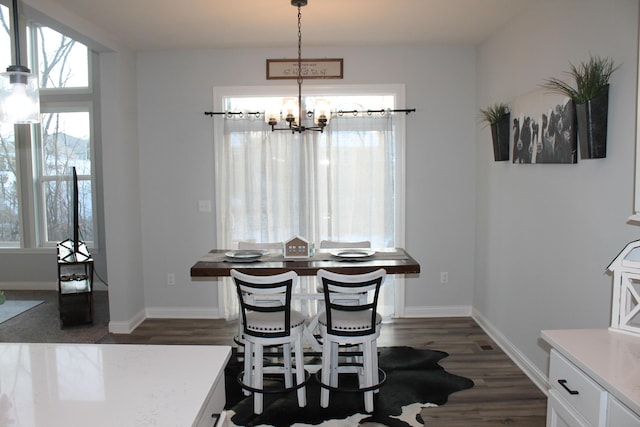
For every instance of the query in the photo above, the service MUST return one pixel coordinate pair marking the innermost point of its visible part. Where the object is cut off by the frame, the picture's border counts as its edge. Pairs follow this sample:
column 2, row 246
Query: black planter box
column 592, row 126
column 500, row 137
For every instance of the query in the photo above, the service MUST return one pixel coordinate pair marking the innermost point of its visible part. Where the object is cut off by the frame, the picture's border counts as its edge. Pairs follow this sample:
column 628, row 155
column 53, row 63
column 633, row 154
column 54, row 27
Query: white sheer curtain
column 336, row 185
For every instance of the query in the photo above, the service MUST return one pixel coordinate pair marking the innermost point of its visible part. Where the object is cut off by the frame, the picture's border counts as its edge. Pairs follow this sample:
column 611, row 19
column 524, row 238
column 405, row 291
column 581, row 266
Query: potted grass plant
column 497, row 117
column 591, row 97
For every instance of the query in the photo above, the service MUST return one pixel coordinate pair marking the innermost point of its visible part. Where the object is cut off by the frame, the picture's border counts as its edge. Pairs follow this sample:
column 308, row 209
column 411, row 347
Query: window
column 346, row 183
column 35, row 206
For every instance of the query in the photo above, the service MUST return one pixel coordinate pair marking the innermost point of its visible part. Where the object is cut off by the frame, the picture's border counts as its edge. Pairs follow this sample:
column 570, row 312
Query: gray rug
column 11, row 309
column 42, row 322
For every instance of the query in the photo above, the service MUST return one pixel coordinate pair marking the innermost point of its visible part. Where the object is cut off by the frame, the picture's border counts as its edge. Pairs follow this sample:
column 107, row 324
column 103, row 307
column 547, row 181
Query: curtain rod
column 407, row 111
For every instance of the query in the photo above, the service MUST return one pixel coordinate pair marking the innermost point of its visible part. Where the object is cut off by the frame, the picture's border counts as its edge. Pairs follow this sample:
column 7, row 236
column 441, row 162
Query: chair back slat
column 265, row 294
column 351, row 293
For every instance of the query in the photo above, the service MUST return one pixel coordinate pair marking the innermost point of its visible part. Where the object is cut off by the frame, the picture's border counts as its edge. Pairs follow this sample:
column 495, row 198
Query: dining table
column 220, row 262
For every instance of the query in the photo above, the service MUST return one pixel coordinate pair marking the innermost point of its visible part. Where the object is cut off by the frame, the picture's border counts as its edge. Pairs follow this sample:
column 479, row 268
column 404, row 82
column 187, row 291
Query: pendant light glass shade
column 322, row 112
column 290, row 110
column 272, row 114
column 19, row 96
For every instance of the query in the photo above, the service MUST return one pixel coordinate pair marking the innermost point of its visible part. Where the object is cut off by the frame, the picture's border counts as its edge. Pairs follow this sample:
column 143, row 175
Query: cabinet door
column 560, row 414
column 619, row 415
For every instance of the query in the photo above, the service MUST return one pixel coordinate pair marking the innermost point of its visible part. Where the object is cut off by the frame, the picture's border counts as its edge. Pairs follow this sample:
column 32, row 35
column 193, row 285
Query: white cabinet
column 593, row 378
column 584, row 400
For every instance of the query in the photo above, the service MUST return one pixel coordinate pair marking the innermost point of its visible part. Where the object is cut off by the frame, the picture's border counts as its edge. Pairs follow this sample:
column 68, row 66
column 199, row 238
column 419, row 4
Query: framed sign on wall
column 284, row 69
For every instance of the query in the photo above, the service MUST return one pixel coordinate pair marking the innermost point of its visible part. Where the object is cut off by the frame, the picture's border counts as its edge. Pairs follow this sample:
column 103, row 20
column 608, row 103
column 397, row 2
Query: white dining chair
column 249, row 245
column 333, row 244
column 350, row 325
column 269, row 325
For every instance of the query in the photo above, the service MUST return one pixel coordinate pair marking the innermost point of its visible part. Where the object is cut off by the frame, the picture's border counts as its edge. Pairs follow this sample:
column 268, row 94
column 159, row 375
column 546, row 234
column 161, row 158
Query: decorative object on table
column 544, row 128
column 297, row 247
column 2, row 297
column 497, row 117
column 591, row 96
column 625, row 303
column 415, row 380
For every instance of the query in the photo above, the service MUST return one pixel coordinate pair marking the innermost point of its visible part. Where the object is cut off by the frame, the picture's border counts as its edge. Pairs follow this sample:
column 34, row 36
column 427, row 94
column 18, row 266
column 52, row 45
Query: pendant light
column 19, row 94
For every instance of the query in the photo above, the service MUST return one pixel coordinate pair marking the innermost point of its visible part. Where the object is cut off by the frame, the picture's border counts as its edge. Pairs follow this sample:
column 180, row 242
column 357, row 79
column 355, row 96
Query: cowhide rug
column 414, row 380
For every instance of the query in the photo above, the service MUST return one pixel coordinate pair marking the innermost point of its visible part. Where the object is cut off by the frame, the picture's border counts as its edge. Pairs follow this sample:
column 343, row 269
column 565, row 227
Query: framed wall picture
column 283, row 69
column 544, row 128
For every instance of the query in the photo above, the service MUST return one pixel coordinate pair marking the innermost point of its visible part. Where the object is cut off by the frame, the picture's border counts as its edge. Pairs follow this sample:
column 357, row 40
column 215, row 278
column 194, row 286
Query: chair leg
column 286, row 355
column 257, row 379
column 368, row 375
column 248, row 366
column 334, row 361
column 326, row 372
column 374, row 355
column 300, row 376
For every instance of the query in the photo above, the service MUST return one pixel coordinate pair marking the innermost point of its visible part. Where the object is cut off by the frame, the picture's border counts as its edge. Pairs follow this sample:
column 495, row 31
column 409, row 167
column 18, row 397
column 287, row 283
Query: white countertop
column 610, row 357
column 62, row 385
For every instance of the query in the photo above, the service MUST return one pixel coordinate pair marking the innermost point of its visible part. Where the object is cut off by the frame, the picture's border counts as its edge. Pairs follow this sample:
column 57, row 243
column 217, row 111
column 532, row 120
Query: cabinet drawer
column 577, row 389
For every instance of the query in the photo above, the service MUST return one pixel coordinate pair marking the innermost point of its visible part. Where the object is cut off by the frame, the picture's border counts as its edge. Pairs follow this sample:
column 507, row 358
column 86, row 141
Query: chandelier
column 291, row 110
column 292, row 107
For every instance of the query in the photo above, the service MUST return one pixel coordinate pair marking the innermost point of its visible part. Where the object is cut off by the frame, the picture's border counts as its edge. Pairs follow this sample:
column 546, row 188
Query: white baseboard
column 182, row 313
column 442, row 311
column 538, row 377
column 129, row 326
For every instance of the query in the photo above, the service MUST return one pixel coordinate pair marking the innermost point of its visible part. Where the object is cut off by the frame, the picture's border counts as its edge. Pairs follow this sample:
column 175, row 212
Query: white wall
column 120, row 163
column 176, row 163
column 546, row 233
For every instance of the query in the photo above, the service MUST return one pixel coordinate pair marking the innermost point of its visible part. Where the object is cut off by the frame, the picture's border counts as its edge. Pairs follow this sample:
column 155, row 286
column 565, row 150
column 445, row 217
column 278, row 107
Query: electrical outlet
column 204, row 205
column 171, row 279
column 444, row 277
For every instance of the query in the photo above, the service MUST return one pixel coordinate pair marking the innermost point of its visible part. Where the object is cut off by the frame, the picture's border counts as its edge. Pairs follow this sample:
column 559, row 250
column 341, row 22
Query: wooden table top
column 394, row 261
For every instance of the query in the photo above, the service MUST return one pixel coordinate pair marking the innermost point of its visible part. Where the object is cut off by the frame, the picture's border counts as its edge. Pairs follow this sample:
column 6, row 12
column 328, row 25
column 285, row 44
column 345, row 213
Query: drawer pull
column 563, row 383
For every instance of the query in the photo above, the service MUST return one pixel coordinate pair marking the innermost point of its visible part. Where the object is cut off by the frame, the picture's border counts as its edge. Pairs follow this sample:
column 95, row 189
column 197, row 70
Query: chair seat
column 272, row 322
column 350, row 321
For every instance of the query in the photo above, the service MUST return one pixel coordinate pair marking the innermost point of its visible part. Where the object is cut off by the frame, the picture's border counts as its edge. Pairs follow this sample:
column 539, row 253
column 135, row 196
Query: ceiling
column 144, row 25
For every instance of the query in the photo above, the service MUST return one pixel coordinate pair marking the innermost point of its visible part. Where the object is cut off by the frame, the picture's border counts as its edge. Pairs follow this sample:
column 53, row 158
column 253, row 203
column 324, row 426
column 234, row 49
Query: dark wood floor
column 502, row 395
